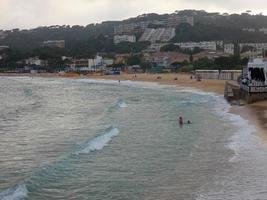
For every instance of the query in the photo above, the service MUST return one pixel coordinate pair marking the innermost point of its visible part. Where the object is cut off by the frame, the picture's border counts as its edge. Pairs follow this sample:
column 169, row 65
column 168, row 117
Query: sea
column 104, row 140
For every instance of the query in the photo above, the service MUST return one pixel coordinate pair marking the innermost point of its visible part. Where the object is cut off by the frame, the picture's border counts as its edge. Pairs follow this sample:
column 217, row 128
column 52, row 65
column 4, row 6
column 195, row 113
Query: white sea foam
column 16, row 193
column 245, row 130
column 122, row 104
column 99, row 142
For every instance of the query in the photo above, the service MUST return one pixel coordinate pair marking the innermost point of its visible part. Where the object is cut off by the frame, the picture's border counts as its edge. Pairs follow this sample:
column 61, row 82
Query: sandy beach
column 255, row 113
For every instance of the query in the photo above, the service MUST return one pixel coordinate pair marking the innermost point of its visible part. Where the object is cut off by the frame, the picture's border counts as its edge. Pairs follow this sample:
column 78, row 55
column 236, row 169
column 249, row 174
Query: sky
column 26, row 14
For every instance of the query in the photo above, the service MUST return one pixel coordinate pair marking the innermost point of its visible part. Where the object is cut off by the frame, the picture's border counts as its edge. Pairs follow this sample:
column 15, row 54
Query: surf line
column 99, row 142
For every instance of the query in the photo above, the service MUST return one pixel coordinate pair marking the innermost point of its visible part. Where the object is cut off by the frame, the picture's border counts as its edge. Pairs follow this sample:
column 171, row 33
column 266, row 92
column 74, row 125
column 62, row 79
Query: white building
column 95, row 63
column 202, row 45
column 35, row 61
column 229, row 48
column 263, row 30
column 249, row 29
column 258, row 47
column 174, row 20
column 108, row 61
column 4, row 47
column 159, row 34
column 124, row 38
column 54, row 43
column 155, row 47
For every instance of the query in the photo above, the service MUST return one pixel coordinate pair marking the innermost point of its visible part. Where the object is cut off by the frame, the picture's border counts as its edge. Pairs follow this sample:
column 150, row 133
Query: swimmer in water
column 180, row 120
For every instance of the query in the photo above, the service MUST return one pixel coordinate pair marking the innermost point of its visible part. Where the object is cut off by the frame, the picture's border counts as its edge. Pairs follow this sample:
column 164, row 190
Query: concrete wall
column 253, row 97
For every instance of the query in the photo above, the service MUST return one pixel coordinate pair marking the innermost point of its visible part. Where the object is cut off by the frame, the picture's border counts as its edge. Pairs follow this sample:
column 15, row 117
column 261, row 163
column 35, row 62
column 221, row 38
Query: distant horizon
column 36, row 13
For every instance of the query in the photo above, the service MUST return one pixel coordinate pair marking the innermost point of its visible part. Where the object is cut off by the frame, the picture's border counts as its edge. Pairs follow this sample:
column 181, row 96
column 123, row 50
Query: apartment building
column 130, row 28
column 160, row 34
column 124, row 38
column 54, row 43
column 4, row 48
column 36, row 62
column 258, row 48
column 229, row 48
column 202, row 45
column 263, row 30
column 174, row 20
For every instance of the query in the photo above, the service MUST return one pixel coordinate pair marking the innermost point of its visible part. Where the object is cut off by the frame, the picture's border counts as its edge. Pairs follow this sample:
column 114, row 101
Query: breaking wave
column 18, row 192
column 122, row 104
column 99, row 142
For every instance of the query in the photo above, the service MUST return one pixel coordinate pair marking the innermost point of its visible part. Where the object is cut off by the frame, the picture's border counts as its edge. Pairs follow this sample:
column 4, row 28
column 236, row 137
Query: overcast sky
column 34, row 13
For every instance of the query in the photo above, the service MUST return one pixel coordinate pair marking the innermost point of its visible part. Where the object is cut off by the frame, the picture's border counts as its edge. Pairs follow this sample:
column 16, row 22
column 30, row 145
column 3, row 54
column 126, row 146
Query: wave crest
column 18, row 192
column 99, row 142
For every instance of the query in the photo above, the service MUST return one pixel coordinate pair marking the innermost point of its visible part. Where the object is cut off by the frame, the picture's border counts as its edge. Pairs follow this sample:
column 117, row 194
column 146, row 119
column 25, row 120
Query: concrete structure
column 160, row 34
column 229, row 48
column 155, row 47
column 167, row 58
column 254, row 81
column 137, row 27
column 124, row 38
column 233, row 75
column 174, row 20
column 209, row 55
column 249, row 29
column 36, row 62
column 54, row 43
column 130, row 28
column 263, row 30
column 79, row 63
column 258, row 47
column 4, row 48
column 202, row 45
column 95, row 64
column 108, row 61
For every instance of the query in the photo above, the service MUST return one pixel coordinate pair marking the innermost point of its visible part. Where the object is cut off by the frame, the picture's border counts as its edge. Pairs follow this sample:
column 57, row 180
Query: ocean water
column 87, row 139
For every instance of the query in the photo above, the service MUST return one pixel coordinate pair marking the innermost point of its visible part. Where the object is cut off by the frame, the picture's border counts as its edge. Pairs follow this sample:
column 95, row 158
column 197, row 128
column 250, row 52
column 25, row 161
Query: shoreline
column 255, row 114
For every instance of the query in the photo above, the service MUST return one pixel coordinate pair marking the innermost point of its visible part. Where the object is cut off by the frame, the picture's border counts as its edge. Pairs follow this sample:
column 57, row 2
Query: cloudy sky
column 34, row 13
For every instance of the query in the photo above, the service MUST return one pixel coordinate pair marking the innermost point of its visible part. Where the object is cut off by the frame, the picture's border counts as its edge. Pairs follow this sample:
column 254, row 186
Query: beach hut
column 230, row 74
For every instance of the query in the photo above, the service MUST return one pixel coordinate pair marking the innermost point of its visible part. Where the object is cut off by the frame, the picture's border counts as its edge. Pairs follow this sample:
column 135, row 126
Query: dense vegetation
column 86, row 41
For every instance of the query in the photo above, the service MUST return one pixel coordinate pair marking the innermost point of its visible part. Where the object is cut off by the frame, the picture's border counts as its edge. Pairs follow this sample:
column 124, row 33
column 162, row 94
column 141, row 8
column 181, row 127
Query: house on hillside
column 209, row 55
column 163, row 61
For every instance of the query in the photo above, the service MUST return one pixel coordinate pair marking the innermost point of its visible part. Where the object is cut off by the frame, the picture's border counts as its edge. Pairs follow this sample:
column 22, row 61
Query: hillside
column 87, row 40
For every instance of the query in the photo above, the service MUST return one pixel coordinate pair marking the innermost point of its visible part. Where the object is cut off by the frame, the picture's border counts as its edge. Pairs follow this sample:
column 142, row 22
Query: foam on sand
column 245, row 137
column 99, row 142
column 18, row 192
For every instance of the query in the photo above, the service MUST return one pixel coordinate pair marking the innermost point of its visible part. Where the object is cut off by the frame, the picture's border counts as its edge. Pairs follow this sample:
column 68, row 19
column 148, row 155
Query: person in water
column 181, row 120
